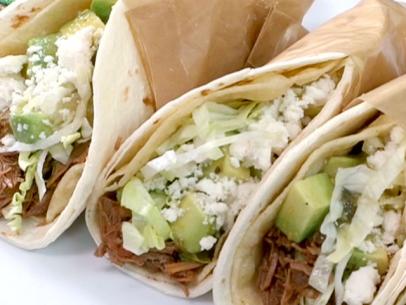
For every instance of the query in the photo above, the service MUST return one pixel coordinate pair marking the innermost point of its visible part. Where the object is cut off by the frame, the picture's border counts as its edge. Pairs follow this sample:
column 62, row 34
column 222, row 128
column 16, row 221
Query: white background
column 67, row 273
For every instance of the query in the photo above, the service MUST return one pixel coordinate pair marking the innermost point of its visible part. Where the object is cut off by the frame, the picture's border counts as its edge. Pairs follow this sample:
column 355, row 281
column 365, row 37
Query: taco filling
column 337, row 230
column 45, row 118
column 171, row 216
column 4, row 3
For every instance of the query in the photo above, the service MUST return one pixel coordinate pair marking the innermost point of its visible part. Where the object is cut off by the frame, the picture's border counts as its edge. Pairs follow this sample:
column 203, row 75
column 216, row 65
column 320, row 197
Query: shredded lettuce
column 362, row 223
column 338, row 279
column 39, row 179
column 149, row 229
column 171, row 160
column 67, row 141
column 353, row 179
column 16, row 206
column 60, row 153
column 320, row 276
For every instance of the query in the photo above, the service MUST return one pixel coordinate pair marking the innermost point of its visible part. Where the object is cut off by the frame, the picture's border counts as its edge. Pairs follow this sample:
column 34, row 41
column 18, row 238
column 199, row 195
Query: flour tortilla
column 235, row 282
column 24, row 20
column 235, row 275
column 323, row 51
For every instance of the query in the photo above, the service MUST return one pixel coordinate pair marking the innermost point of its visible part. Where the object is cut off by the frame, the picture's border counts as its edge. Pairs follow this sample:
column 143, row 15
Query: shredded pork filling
column 167, row 261
column 11, row 176
column 285, row 269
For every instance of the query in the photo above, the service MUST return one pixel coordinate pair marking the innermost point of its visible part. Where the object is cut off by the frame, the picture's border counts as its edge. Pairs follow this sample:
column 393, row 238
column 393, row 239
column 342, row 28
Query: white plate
column 67, row 273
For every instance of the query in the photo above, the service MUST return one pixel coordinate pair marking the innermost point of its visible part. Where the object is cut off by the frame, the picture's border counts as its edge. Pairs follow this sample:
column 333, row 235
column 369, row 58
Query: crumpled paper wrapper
column 389, row 99
column 373, row 35
column 187, row 43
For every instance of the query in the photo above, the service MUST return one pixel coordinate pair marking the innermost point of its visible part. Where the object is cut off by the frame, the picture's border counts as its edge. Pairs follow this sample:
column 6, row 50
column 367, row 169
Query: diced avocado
column 223, row 167
column 360, row 259
column 47, row 47
column 6, row 2
column 334, row 163
column 190, row 228
column 84, row 19
column 102, row 8
column 30, row 127
column 305, row 207
column 159, row 198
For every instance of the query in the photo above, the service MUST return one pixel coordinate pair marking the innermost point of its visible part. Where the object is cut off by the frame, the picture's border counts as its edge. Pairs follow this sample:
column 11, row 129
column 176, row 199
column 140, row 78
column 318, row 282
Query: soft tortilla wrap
column 236, row 273
column 116, row 112
column 324, row 52
column 20, row 22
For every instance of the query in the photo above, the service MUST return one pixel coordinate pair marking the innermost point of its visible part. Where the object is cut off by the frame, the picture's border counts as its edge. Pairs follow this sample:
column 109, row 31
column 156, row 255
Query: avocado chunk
column 360, row 259
column 334, row 163
column 102, row 8
column 46, row 47
column 223, row 167
column 6, row 2
column 190, row 228
column 30, row 127
column 305, row 207
column 84, row 19
column 159, row 198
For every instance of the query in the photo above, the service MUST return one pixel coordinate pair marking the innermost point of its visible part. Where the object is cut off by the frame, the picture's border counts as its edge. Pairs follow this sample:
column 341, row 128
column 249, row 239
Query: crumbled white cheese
column 397, row 134
column 75, row 55
column 11, row 82
column 391, row 224
column 156, row 183
column 12, row 65
column 281, row 121
column 207, row 243
column 371, row 145
column 378, row 159
column 8, row 140
column 318, row 91
column 172, row 214
column 361, row 285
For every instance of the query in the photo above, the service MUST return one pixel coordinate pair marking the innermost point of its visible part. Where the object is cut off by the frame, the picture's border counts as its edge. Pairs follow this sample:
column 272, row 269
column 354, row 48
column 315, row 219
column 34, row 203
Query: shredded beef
column 10, row 174
column 167, row 261
column 53, row 172
column 285, row 269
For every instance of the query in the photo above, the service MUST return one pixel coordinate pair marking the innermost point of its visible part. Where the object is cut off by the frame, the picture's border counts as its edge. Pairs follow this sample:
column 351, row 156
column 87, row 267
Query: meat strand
column 285, row 269
column 166, row 261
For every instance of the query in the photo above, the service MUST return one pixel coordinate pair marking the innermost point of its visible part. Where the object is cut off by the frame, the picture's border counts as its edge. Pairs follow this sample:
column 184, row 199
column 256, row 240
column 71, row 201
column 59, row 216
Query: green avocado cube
column 305, row 207
column 83, row 20
column 191, row 227
column 102, row 8
column 360, row 259
column 334, row 163
column 46, row 47
column 30, row 127
column 223, row 167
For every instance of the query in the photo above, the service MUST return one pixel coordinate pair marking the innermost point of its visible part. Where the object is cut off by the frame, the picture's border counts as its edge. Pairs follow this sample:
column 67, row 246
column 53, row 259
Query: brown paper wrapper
column 390, row 99
column 187, row 43
column 373, row 34
column 282, row 27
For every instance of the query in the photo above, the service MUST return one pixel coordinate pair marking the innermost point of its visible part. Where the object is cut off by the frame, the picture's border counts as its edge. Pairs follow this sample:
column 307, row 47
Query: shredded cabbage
column 325, row 297
column 16, row 206
column 320, row 276
column 39, row 179
column 149, row 228
column 353, row 179
column 171, row 160
column 338, row 279
column 365, row 216
column 60, row 153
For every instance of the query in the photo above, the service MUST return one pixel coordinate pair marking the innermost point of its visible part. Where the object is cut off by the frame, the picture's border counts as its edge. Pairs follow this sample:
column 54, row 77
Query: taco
column 164, row 204
column 335, row 234
column 46, row 117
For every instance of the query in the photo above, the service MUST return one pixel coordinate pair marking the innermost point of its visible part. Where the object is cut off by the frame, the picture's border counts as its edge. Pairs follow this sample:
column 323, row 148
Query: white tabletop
column 67, row 273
